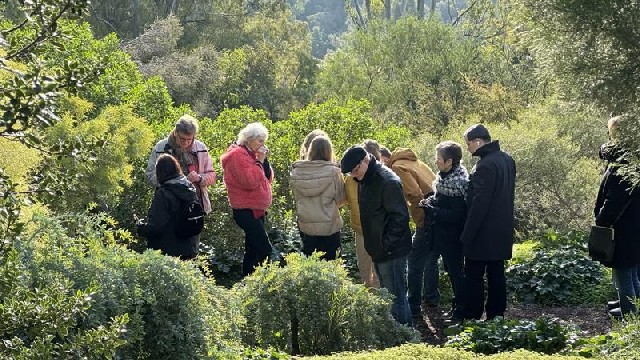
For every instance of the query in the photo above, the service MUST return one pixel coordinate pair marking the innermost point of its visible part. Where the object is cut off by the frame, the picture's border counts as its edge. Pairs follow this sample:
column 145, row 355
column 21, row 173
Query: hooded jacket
column 318, row 189
column 248, row 181
column 383, row 214
column 488, row 231
column 205, row 168
column 416, row 179
column 160, row 229
column 616, row 201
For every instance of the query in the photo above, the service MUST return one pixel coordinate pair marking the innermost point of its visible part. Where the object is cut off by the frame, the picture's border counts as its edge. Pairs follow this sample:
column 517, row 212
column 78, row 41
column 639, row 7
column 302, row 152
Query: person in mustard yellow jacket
column 365, row 264
column 417, row 179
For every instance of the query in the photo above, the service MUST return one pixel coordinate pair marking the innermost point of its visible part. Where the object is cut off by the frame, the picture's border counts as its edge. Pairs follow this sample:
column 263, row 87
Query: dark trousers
column 328, row 244
column 453, row 263
column 474, row 271
column 257, row 247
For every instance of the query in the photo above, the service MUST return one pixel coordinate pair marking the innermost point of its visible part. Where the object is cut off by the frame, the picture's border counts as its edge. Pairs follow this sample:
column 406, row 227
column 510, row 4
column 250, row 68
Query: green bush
column 543, row 335
column 423, row 351
column 174, row 312
column 561, row 275
column 310, row 307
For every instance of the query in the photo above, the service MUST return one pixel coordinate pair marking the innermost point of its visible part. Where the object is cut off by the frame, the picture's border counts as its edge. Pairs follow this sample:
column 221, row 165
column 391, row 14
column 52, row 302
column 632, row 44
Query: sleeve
column 247, row 172
column 159, row 215
column 397, row 214
column 341, row 194
column 151, row 168
column 615, row 197
column 410, row 188
column 206, row 167
column 483, row 184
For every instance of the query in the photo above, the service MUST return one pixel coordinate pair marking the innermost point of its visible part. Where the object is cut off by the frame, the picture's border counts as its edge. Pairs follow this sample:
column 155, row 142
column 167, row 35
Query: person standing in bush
column 416, row 178
column 487, row 237
column 248, row 176
column 318, row 188
column 192, row 155
column 385, row 224
column 365, row 264
column 618, row 206
column 161, row 226
column 445, row 213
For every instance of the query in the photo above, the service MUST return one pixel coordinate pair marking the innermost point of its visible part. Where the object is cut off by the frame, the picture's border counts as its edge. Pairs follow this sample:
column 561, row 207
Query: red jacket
column 247, row 185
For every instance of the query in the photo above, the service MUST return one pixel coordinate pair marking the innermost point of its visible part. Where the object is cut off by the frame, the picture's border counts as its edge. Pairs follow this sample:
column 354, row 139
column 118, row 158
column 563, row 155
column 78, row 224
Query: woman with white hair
column 248, row 176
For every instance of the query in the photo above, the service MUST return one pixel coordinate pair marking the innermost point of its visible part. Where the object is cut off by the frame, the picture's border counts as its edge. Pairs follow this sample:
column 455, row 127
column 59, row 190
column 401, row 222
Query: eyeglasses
column 355, row 169
column 184, row 139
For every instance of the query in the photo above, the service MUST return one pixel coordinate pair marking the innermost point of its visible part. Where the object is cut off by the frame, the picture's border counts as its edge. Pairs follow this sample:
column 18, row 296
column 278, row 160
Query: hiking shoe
column 613, row 304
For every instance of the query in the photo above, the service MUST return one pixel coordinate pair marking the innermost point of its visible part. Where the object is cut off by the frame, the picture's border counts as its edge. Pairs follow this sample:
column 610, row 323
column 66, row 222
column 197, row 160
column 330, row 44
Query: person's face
column 443, row 165
column 473, row 145
column 184, row 140
column 360, row 170
column 255, row 143
column 385, row 160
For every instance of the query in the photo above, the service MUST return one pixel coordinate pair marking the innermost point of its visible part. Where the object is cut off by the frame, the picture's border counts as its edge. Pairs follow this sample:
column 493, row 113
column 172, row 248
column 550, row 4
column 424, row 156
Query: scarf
column 185, row 158
column 452, row 183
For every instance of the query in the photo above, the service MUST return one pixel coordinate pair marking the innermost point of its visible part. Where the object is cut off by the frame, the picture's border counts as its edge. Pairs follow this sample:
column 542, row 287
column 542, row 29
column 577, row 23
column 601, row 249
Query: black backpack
column 190, row 219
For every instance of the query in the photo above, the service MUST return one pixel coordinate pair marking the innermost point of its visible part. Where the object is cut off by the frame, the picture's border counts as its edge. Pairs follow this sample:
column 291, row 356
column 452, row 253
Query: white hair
column 187, row 124
column 252, row 131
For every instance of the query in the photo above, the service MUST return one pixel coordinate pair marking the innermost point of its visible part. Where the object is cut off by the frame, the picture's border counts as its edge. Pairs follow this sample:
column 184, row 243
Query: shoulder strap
column 623, row 209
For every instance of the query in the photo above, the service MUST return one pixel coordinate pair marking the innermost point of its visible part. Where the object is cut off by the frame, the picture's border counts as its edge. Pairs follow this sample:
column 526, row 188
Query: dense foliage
column 311, row 307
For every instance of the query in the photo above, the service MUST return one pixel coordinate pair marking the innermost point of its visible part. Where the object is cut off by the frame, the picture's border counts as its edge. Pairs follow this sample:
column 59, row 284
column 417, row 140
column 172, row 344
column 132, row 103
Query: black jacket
column 612, row 198
column 444, row 221
column 160, row 229
column 488, row 231
column 384, row 214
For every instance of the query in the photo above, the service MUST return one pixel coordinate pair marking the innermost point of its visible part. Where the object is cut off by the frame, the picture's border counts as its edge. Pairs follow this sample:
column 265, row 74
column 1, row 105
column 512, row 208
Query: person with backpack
column 248, row 176
column 192, row 155
column 165, row 227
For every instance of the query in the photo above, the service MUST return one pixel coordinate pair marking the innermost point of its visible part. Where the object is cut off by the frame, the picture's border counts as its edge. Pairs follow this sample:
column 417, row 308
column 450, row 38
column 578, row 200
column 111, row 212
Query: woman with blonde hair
column 318, row 188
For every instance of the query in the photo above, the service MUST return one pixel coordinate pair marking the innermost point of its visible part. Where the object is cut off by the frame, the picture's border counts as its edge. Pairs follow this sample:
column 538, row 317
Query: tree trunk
column 361, row 22
column 135, row 28
column 401, row 9
column 421, row 9
column 387, row 9
column 433, row 8
column 367, row 5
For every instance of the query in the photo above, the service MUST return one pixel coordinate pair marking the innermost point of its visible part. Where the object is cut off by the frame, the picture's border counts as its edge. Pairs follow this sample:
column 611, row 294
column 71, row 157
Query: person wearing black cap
column 385, row 224
column 487, row 238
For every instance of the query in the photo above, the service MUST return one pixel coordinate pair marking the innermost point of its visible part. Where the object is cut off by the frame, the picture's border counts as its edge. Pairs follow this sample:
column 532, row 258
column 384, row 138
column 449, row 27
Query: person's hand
column 194, row 177
column 262, row 153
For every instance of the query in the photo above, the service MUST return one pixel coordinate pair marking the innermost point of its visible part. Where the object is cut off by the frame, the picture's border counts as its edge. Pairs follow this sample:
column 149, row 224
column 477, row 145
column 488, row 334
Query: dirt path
column 590, row 320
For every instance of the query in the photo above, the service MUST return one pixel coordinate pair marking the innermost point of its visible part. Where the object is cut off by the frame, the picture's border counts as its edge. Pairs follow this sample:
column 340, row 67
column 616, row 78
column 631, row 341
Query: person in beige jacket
column 365, row 264
column 318, row 188
column 417, row 179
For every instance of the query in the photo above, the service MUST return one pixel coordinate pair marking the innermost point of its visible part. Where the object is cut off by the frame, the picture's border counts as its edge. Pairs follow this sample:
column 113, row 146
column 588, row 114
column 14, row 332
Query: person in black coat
column 385, row 224
column 487, row 238
column 445, row 214
column 160, row 228
column 618, row 206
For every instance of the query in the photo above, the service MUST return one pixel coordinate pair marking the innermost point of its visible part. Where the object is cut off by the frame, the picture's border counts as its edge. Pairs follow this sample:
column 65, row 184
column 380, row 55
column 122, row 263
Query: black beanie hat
column 352, row 157
column 477, row 131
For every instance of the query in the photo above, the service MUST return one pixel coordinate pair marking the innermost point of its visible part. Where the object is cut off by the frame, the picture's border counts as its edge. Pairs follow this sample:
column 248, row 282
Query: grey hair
column 187, row 124
column 252, row 131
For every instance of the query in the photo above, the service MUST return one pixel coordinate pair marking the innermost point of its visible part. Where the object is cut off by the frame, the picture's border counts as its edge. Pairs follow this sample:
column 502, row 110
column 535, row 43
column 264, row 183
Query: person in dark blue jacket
column 487, row 238
column 385, row 224
column 160, row 228
column 445, row 214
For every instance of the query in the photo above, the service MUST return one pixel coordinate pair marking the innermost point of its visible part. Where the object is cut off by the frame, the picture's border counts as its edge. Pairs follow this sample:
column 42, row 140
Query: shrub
column 542, row 335
column 310, row 307
column 562, row 275
column 174, row 312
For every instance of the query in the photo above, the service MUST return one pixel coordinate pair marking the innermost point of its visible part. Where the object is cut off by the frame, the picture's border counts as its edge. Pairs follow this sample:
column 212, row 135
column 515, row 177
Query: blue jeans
column 423, row 273
column 392, row 276
column 628, row 287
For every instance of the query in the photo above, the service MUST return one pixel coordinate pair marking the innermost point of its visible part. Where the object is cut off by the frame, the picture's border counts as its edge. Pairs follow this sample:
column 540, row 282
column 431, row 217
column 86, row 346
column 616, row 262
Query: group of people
column 465, row 218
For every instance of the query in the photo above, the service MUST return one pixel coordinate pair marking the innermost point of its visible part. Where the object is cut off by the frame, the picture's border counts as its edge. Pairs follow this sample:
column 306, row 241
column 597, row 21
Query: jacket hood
column 313, row 177
column 402, row 154
column 181, row 187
